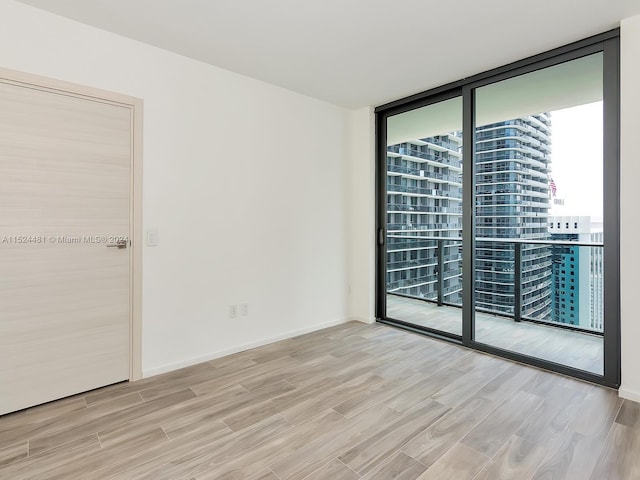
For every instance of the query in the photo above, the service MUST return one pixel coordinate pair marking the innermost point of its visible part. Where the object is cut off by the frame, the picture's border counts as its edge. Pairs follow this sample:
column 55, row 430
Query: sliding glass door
column 423, row 201
column 498, row 211
column 539, row 223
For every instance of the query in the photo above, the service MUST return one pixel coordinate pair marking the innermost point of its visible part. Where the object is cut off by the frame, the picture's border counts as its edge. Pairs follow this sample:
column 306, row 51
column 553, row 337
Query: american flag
column 552, row 186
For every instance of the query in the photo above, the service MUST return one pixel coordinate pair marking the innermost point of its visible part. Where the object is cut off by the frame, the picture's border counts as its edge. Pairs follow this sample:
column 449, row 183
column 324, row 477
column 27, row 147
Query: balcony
column 395, row 227
column 405, row 207
column 417, row 155
column 522, row 298
column 444, row 144
column 425, row 174
column 426, row 192
column 576, row 349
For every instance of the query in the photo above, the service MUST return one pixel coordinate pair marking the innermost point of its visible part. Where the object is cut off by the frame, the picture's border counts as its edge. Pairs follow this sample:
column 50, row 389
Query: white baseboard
column 629, row 394
column 363, row 320
column 239, row 348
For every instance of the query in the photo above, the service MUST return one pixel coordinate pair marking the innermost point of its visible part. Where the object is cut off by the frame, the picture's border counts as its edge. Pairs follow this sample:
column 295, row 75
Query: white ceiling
column 352, row 53
column 569, row 84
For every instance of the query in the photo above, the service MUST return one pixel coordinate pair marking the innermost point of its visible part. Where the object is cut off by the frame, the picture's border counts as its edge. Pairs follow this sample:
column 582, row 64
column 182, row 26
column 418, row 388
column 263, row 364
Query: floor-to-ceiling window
column 424, row 216
column 498, row 211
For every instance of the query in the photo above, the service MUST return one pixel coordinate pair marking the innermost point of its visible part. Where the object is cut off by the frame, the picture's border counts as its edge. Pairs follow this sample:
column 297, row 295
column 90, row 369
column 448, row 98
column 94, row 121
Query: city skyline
column 513, row 200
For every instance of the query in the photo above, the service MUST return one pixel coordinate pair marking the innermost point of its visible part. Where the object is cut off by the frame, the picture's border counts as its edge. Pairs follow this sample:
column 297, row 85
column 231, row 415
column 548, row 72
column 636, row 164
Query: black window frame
column 609, row 44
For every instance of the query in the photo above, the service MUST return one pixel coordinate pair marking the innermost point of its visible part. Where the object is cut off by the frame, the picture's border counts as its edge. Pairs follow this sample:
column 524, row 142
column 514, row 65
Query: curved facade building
column 424, row 204
column 512, row 201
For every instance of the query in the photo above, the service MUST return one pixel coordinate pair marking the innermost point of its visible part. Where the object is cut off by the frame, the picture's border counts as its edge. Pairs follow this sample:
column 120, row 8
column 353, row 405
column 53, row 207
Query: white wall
column 244, row 181
column 629, row 211
column 361, row 203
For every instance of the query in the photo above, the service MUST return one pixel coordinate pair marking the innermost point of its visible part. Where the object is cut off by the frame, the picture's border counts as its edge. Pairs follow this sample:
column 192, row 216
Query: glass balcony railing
column 424, row 226
column 411, row 152
column 405, row 207
column 443, row 143
column 420, row 172
column 435, row 192
column 545, row 281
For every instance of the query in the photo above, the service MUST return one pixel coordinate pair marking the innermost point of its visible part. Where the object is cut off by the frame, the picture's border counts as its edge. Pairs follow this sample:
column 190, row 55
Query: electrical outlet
column 244, row 309
column 233, row 311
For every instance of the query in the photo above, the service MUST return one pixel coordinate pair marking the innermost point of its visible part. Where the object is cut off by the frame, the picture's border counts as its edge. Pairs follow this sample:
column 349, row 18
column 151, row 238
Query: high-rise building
column 596, row 280
column 424, row 203
column 512, row 202
column 571, row 270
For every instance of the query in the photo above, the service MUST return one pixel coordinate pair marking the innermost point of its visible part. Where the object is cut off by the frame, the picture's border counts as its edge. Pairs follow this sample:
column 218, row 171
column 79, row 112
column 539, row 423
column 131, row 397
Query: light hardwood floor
column 576, row 349
column 349, row 402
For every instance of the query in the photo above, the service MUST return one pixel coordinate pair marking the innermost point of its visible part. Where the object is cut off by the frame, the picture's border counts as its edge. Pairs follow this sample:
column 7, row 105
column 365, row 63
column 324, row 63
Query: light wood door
column 65, row 181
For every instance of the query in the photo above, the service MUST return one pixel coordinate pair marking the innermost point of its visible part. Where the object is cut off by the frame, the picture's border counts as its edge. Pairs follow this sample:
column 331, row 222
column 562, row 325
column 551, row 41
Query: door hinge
column 381, row 236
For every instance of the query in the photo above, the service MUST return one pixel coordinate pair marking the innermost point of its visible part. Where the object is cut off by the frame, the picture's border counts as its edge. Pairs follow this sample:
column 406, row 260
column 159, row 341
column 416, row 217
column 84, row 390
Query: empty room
column 302, row 240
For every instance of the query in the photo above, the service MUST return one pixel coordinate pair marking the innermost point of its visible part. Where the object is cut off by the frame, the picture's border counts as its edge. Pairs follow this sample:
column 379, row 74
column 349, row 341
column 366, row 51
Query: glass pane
column 424, row 216
column 538, row 227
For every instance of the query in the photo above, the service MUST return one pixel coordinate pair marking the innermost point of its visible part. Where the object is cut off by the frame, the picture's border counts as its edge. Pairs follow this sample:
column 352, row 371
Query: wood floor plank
column 219, row 405
column 205, row 412
column 424, row 388
column 368, row 454
column 460, row 463
column 556, row 388
column 335, row 470
column 573, row 457
column 198, row 454
column 306, row 460
column 629, row 414
column 263, row 405
column 346, row 402
column 306, row 408
column 597, row 413
column 358, row 404
column 43, row 443
column 111, row 392
column 133, row 436
column 434, row 442
column 51, row 425
column 518, row 459
column 42, row 465
column 619, row 458
column 512, row 379
column 207, row 386
column 264, row 474
column 550, row 419
column 492, row 433
column 445, row 433
column 109, row 458
column 398, row 467
column 125, row 445
column 42, row 413
column 13, row 453
column 282, row 374
column 463, row 387
column 356, row 364
column 324, row 424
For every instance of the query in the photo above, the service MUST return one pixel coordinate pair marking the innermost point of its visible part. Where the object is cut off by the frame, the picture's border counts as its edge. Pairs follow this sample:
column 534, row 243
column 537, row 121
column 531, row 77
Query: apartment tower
column 424, row 206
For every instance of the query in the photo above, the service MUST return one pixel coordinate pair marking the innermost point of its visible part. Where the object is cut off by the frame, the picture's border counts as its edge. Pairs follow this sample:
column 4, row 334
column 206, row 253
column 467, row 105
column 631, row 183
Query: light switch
column 152, row 238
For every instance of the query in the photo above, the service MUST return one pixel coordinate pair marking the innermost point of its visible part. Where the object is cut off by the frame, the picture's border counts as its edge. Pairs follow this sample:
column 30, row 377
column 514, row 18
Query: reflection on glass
column 424, row 216
column 538, row 190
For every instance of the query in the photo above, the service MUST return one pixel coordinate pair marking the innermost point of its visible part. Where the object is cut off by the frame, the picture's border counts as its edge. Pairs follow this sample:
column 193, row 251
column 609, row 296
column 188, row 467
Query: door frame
column 135, row 105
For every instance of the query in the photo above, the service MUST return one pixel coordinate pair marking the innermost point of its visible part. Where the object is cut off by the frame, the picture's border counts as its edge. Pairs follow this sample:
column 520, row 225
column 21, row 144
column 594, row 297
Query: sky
column 576, row 160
